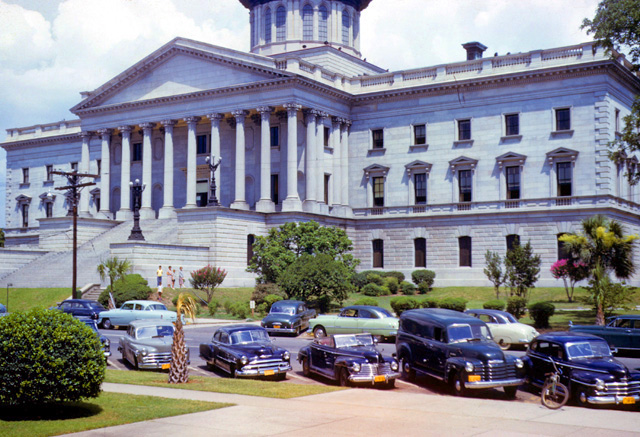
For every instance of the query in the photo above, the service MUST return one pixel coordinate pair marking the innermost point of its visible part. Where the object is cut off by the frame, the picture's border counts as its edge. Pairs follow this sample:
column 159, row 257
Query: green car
column 356, row 319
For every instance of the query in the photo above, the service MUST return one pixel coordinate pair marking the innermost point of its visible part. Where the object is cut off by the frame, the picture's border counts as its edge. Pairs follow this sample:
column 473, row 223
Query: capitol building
column 424, row 168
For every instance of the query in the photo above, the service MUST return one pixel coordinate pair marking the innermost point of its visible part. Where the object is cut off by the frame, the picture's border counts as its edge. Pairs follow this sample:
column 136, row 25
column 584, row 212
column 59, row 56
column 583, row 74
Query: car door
column 368, row 321
column 305, row 316
column 437, row 348
column 618, row 332
column 498, row 331
column 123, row 315
column 319, row 359
column 66, row 307
column 347, row 322
column 221, row 357
column 541, row 354
column 634, row 339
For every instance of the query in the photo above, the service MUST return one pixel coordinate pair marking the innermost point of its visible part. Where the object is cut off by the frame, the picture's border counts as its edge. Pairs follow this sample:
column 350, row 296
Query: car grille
column 496, row 370
column 622, row 388
column 370, row 370
column 264, row 364
column 160, row 358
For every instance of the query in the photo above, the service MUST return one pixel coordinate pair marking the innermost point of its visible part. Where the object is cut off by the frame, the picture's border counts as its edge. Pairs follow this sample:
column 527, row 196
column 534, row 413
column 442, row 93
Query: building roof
column 357, row 4
column 440, row 315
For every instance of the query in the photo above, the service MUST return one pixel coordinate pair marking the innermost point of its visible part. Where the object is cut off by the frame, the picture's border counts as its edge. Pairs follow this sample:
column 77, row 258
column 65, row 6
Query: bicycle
column 554, row 393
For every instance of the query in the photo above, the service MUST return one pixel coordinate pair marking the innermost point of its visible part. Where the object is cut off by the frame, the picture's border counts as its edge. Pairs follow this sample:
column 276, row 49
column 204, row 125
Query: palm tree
column 114, row 268
column 603, row 246
column 179, row 372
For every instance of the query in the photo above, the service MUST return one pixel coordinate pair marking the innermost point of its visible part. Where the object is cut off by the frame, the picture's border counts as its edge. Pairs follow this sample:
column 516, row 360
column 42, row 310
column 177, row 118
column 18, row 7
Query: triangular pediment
column 463, row 160
column 562, row 153
column 178, row 68
column 23, row 198
column 376, row 169
column 418, row 165
column 511, row 157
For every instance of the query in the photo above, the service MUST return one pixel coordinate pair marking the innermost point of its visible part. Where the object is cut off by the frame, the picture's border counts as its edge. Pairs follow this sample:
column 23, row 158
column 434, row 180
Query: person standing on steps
column 159, row 273
column 171, row 281
column 180, row 277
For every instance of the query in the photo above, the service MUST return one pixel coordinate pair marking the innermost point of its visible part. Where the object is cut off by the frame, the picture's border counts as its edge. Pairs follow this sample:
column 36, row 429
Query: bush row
column 404, row 303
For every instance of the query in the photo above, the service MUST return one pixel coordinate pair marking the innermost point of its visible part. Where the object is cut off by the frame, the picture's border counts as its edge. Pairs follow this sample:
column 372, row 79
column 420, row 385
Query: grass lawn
column 23, row 299
column 250, row 387
column 109, row 409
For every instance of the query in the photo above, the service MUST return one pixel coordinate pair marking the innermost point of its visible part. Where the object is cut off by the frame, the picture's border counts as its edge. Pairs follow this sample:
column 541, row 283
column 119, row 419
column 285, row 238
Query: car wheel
column 407, row 372
column 319, row 332
column 106, row 324
column 457, row 384
column 135, row 363
column 344, row 378
column 305, row 367
column 504, row 346
column 233, row 373
column 510, row 392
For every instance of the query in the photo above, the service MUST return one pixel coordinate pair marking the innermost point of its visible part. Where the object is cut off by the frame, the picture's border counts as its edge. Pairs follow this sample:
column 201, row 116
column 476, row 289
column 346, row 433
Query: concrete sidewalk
column 366, row 412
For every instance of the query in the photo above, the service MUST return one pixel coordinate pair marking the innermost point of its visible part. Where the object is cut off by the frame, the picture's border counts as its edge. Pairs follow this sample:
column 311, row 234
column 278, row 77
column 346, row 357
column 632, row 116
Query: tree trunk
column 179, row 371
column 600, row 315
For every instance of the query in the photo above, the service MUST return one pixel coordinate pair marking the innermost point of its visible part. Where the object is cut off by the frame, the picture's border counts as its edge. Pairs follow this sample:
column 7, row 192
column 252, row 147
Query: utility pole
column 73, row 193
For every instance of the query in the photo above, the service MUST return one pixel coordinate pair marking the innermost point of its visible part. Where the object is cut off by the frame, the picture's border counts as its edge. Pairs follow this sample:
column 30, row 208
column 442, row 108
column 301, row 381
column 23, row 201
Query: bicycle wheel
column 554, row 396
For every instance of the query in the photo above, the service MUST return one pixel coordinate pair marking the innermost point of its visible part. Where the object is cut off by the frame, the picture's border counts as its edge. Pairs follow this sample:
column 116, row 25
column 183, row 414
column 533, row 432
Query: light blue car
column 135, row 310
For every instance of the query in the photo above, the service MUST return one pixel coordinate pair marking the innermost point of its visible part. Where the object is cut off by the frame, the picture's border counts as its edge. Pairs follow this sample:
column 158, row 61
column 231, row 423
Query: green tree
column 493, row 270
column 605, row 249
column 616, row 27
column 319, row 280
column 522, row 269
column 208, row 279
column 1, row 237
column 179, row 371
column 285, row 244
column 114, row 268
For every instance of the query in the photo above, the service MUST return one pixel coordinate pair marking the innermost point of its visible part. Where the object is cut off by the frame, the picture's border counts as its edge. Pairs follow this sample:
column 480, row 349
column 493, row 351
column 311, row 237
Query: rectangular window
column 464, row 129
column 25, row 175
column 464, row 245
column 378, row 138
column 563, row 253
column 327, row 133
column 48, row 207
column 464, row 185
column 250, row 240
column 420, row 251
column 617, row 120
column 564, row 178
column 281, row 24
column 378, row 254
column 419, row 134
column 420, row 186
column 512, row 124
column 99, row 166
column 74, row 166
column 275, row 196
column 327, row 178
column 512, row 241
column 563, row 119
column 136, row 151
column 513, row 182
column 202, row 192
column 49, row 173
column 275, row 136
column 201, row 145
column 378, row 191
column 25, row 215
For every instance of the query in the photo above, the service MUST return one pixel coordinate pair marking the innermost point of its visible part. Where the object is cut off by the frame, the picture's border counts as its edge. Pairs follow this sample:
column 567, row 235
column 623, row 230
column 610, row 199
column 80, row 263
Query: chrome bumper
column 611, row 399
column 492, row 384
column 370, row 378
column 283, row 367
column 285, row 330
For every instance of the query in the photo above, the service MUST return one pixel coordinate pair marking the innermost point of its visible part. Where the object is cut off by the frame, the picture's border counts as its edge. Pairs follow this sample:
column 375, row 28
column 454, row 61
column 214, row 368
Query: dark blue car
column 288, row 316
column 587, row 368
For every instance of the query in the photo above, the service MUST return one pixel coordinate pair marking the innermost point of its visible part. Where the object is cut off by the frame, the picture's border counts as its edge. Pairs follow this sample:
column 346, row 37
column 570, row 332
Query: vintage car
column 288, row 316
column 246, row 350
column 456, row 348
column 505, row 329
column 91, row 323
column 349, row 358
column 586, row 366
column 357, row 319
column 623, row 332
column 135, row 310
column 81, row 308
column 147, row 344
column 3, row 310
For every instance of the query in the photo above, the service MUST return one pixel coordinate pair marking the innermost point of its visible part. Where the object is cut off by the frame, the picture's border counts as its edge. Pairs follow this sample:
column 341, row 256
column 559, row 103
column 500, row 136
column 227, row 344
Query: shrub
column 130, row 287
column 429, row 302
column 494, row 305
column 261, row 291
column 240, row 309
column 403, row 303
column 423, row 288
column 398, row 275
column 366, row 301
column 391, row 282
column 453, row 303
column 374, row 278
column 227, row 306
column 373, row 290
column 540, row 312
column 359, row 280
column 407, row 288
column 423, row 276
column 516, row 305
column 213, row 306
column 270, row 300
column 48, row 356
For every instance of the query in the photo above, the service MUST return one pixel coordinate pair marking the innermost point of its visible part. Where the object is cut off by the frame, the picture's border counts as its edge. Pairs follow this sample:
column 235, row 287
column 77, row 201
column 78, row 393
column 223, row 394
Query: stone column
column 83, row 210
column 311, row 178
column 344, row 164
column 240, row 201
column 125, row 175
column 323, row 207
column 191, row 161
column 215, row 148
column 265, row 204
column 167, row 210
column 105, row 174
column 292, row 202
column 336, row 171
column 147, row 157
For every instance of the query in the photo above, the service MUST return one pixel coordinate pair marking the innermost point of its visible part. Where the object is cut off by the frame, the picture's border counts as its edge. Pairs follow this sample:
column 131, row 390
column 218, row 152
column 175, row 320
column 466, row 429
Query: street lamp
column 8, row 285
column 136, row 195
column 213, row 199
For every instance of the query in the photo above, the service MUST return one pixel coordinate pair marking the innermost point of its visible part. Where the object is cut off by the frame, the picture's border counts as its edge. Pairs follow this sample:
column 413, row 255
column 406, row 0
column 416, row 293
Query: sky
column 51, row 50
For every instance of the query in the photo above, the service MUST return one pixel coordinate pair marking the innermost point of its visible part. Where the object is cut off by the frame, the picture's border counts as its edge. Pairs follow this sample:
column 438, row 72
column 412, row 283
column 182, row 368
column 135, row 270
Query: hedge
column 540, row 312
column 494, row 305
column 453, row 303
column 403, row 303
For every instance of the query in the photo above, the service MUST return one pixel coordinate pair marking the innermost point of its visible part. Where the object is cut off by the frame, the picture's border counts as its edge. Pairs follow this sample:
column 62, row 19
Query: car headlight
column 286, row 355
column 468, row 367
column 244, row 360
column 144, row 352
column 355, row 367
column 600, row 384
column 394, row 365
column 107, row 342
column 519, row 363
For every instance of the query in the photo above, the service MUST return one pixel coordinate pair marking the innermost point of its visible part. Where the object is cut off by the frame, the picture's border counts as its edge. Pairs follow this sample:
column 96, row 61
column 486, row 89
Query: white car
column 505, row 329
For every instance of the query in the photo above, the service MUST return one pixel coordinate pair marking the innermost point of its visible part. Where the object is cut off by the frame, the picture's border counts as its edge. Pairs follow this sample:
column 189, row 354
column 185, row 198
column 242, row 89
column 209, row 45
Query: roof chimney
column 474, row 50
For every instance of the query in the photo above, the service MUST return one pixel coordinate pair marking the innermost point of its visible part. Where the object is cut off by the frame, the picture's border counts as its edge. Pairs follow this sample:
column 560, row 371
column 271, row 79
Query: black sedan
column 81, row 308
column 288, row 316
column 246, row 351
column 91, row 323
column 586, row 366
column 349, row 358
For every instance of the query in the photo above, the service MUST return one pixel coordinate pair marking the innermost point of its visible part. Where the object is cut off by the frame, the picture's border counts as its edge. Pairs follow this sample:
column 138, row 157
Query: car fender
column 403, row 349
column 302, row 354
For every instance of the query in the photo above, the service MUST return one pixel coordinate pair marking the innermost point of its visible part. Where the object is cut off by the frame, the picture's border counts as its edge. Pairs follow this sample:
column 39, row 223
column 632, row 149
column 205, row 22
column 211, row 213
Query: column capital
column 215, row 116
column 104, row 131
column 342, row 120
column 86, row 134
column 310, row 115
column 239, row 114
column 321, row 114
column 191, row 120
column 167, row 123
column 125, row 128
column 265, row 110
column 147, row 126
column 292, row 107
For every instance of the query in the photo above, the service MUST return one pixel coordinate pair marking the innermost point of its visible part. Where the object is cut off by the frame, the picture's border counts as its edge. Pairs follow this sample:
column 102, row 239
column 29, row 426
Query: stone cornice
column 41, row 141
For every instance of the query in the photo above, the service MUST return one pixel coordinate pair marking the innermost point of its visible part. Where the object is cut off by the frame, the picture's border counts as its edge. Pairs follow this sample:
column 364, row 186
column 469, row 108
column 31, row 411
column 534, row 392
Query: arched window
column 346, row 22
column 267, row 25
column 281, row 24
column 323, row 19
column 307, row 22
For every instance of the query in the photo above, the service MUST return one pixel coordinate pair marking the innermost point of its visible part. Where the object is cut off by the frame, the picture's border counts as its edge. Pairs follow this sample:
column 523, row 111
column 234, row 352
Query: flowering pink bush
column 207, row 279
column 571, row 271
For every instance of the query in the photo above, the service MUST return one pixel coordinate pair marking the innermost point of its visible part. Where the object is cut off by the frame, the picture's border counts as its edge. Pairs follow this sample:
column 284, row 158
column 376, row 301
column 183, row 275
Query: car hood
column 608, row 365
column 160, row 343
column 481, row 350
column 258, row 349
column 270, row 318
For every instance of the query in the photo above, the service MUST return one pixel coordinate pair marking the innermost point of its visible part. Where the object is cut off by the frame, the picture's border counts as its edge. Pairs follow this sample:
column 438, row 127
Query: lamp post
column 213, row 199
column 8, row 285
column 136, row 195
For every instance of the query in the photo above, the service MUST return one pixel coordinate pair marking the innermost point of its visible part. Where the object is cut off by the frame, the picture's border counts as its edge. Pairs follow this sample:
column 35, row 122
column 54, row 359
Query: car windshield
column 282, row 309
column 154, row 331
column 249, row 336
column 353, row 340
column 156, row 307
column 459, row 333
column 95, row 305
column 588, row 349
column 510, row 318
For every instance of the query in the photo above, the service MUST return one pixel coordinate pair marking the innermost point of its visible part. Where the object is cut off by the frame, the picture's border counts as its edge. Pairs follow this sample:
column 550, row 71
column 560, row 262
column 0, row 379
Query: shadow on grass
column 61, row 411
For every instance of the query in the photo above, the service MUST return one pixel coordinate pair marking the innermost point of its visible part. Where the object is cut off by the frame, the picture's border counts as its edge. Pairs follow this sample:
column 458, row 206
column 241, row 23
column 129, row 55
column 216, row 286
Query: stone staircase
column 55, row 268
